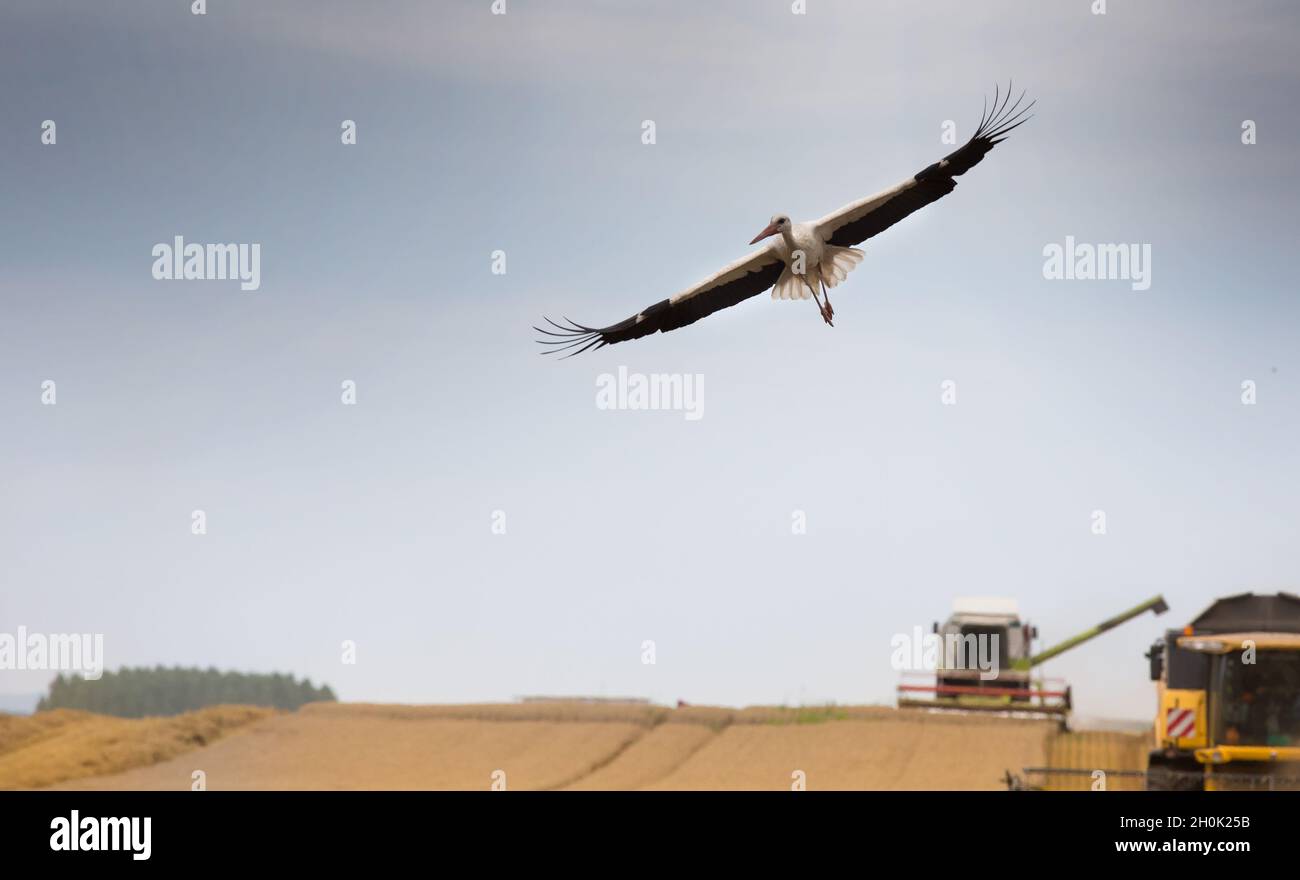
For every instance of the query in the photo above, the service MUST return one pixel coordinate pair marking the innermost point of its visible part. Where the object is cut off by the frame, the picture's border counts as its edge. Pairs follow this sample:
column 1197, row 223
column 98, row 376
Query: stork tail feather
column 790, row 286
column 838, row 263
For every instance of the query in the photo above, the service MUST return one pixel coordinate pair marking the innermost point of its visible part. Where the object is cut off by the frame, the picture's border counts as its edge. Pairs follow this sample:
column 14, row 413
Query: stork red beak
column 769, row 230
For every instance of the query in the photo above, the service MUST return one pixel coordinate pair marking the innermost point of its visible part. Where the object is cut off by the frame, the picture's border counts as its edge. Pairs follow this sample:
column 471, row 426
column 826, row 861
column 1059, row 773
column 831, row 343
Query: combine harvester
column 976, row 625
column 1228, row 698
column 1227, row 704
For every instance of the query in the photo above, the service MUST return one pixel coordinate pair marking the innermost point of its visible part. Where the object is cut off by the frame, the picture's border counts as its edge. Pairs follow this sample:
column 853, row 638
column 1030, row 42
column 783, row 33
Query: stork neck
column 787, row 235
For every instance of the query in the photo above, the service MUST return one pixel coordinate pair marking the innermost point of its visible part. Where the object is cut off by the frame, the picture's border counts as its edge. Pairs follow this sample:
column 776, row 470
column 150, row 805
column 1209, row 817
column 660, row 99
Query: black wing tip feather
column 574, row 338
column 999, row 120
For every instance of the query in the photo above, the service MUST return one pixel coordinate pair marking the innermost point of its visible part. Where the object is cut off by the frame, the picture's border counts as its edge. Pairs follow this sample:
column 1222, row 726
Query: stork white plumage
column 803, row 259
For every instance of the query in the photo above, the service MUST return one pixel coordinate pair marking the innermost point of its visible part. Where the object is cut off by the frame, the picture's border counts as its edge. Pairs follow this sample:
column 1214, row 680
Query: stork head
column 779, row 223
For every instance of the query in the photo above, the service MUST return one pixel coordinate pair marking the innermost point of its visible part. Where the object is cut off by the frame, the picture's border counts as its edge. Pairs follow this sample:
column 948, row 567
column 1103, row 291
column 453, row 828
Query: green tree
column 136, row 692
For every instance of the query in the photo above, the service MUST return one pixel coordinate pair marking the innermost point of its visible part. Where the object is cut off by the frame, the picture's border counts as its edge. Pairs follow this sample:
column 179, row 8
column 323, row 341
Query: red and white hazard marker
column 1180, row 723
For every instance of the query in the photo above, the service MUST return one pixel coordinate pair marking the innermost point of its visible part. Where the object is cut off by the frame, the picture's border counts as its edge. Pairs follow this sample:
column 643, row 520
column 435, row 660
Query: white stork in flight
column 803, row 256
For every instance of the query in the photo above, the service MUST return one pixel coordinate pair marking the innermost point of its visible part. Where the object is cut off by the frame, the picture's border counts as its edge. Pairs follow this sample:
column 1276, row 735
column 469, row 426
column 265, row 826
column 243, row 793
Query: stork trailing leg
column 826, row 292
column 826, row 313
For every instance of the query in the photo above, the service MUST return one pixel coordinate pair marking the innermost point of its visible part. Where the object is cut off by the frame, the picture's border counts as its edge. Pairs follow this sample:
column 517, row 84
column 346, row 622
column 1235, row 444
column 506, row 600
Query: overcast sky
column 522, row 133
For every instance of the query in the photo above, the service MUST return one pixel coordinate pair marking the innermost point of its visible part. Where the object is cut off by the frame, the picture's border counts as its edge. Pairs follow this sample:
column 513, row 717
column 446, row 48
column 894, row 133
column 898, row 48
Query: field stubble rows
column 538, row 746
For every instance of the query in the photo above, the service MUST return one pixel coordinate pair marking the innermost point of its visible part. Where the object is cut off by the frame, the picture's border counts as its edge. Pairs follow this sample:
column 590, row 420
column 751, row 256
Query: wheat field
column 65, row 744
column 542, row 746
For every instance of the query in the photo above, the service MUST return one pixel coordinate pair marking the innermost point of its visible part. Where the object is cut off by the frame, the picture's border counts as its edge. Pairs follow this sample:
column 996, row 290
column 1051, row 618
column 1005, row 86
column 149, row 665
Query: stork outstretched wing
column 860, row 220
column 742, row 279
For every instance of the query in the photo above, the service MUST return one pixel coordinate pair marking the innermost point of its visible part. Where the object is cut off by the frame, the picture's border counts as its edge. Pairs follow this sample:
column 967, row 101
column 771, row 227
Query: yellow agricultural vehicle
column 1228, row 691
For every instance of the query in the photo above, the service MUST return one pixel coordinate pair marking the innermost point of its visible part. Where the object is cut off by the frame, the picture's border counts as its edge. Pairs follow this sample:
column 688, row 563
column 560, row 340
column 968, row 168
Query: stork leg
column 826, row 315
column 826, row 292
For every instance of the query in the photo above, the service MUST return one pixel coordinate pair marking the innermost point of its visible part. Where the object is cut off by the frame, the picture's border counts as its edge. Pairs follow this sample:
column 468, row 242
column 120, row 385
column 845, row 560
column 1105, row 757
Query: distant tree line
column 134, row 693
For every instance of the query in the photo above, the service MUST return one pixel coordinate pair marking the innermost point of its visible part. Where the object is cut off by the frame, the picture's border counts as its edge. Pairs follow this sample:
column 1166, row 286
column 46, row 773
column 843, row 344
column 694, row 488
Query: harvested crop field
column 581, row 746
column 65, row 744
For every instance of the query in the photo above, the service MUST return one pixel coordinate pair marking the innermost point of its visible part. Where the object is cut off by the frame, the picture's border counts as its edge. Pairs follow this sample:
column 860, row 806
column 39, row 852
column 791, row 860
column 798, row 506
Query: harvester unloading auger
column 985, row 661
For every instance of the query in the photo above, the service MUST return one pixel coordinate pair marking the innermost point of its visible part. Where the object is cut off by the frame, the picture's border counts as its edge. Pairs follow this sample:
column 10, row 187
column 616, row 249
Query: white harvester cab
column 981, row 628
